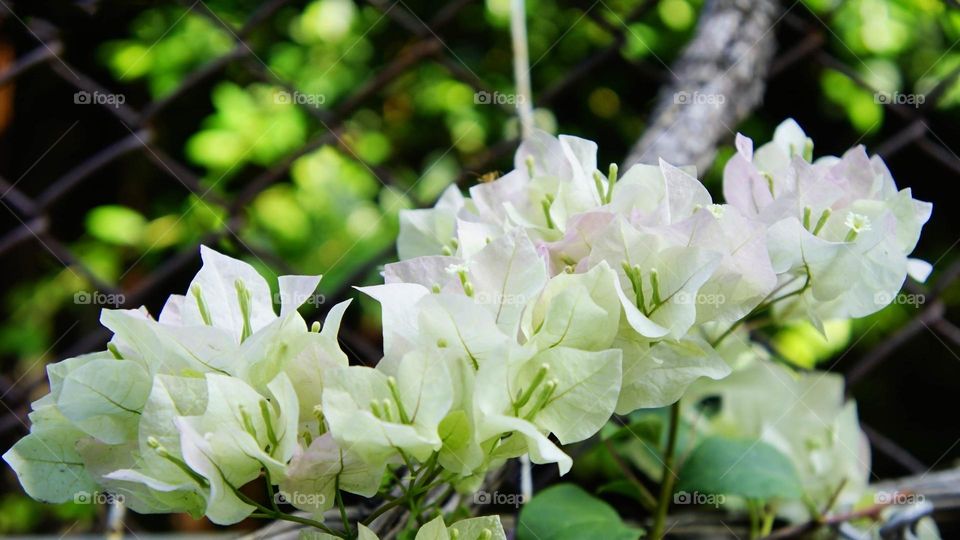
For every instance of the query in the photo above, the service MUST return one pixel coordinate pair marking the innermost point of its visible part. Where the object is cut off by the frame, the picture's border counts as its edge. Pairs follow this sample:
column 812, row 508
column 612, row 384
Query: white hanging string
column 115, row 516
column 521, row 66
column 524, row 101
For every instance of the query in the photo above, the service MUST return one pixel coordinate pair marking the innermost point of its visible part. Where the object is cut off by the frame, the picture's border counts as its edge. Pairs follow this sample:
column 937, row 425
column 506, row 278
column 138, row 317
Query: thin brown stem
column 666, row 485
column 646, row 498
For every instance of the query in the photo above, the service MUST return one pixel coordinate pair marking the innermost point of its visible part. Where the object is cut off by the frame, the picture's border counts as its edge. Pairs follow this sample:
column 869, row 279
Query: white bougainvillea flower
column 659, row 278
column 568, row 392
column 46, row 461
column 141, row 493
column 744, row 276
column 240, row 432
column 158, row 478
column 223, row 505
column 317, row 470
column 104, row 397
column 581, row 190
column 168, row 349
column 431, row 231
column 804, row 416
column 228, row 294
column 209, row 330
column 525, row 314
column 249, row 428
column 465, row 329
column 414, row 318
column 179, row 468
column 182, row 410
column 484, row 527
column 657, row 374
column 554, row 180
column 647, row 195
column 399, row 317
column 580, row 311
column 575, row 315
column 658, row 194
column 571, row 253
column 479, row 528
column 375, row 414
column 502, row 276
column 256, row 346
column 829, row 219
column 524, row 438
column 822, row 273
column 308, row 368
column 753, row 180
column 491, row 198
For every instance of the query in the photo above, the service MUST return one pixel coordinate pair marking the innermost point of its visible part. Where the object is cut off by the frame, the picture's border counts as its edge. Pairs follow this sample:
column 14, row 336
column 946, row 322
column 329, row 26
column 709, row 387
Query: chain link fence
column 803, row 39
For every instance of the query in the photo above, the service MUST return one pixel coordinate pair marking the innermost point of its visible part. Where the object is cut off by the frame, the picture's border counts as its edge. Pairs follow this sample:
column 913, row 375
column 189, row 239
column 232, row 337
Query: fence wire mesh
column 41, row 46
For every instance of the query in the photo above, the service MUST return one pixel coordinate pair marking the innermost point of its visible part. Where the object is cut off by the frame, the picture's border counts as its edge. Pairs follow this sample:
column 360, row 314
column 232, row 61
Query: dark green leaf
column 566, row 512
column 747, row 468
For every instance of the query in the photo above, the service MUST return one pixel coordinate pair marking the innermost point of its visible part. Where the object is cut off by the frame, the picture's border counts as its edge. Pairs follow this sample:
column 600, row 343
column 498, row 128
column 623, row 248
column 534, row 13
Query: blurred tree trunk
column 717, row 81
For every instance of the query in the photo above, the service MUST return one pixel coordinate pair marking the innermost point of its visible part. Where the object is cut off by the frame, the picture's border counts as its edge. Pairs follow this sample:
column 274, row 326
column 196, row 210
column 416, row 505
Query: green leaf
column 621, row 487
column 748, row 468
column 566, row 512
column 644, row 425
column 116, row 224
column 643, row 440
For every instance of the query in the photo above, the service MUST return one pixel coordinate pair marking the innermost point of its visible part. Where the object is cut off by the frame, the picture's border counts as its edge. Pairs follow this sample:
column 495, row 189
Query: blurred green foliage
column 902, row 46
column 337, row 208
column 20, row 514
column 165, row 45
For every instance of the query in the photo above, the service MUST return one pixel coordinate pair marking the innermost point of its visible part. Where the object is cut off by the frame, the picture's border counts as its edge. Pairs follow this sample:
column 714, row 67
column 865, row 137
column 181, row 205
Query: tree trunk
column 717, row 82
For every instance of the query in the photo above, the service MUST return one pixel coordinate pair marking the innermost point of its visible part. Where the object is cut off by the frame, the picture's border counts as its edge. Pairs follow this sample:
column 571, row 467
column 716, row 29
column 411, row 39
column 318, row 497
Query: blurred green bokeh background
column 335, row 210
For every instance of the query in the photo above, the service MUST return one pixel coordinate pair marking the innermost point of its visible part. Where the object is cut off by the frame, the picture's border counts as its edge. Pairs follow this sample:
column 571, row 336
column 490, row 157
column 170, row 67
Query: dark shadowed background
column 291, row 134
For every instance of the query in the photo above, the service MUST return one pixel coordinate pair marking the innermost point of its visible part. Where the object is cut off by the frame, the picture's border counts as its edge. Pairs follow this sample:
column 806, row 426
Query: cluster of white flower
column 552, row 298
column 646, row 266
column 804, row 416
column 182, row 411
